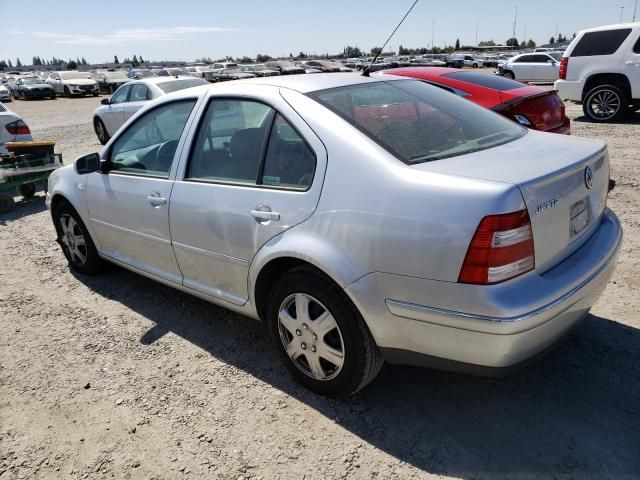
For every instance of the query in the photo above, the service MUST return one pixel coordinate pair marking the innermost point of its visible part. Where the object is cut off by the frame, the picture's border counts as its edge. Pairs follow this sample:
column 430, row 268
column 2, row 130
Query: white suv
column 601, row 69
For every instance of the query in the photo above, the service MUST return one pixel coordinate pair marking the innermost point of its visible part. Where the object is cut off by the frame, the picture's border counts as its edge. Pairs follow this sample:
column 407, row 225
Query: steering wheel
column 165, row 154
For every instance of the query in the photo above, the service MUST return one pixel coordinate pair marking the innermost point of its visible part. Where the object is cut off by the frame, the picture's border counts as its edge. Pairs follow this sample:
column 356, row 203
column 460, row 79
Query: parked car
column 28, row 88
column 285, row 67
column 363, row 220
column 308, row 69
column 12, row 129
column 131, row 97
column 260, row 70
column 5, row 94
column 224, row 66
column 110, row 80
column 473, row 62
column 73, row 84
column 601, row 69
column 198, row 70
column 531, row 106
column 323, row 66
column 454, row 60
column 532, row 67
column 227, row 75
column 171, row 72
column 141, row 73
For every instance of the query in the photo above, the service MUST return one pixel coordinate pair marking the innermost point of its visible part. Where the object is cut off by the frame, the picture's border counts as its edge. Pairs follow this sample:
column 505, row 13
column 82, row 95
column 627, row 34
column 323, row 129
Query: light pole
column 515, row 22
column 433, row 35
column 634, row 11
column 621, row 12
column 477, row 24
column 524, row 38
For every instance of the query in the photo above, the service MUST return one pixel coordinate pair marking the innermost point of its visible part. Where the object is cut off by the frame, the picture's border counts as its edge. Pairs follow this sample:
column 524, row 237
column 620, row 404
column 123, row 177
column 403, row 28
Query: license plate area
column 580, row 217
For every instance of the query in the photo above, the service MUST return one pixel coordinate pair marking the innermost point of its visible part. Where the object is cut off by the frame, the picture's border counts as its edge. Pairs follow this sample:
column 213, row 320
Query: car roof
column 616, row 26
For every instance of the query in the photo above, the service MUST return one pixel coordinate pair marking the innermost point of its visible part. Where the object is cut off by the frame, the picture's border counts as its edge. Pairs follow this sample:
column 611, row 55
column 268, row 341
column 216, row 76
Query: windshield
column 116, row 75
column 556, row 55
column 417, row 122
column 175, row 85
column 30, row 80
column 72, row 75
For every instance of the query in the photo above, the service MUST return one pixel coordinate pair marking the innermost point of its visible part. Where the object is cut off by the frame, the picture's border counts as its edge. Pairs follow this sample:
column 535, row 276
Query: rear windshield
column 483, row 80
column 175, row 85
column 417, row 122
column 600, row 43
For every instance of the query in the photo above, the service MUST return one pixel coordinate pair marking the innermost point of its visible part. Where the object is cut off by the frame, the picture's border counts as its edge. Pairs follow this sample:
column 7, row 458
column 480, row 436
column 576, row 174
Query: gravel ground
column 121, row 377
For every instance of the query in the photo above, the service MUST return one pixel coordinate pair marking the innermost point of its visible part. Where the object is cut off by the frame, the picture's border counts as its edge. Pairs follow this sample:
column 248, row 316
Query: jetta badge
column 588, row 178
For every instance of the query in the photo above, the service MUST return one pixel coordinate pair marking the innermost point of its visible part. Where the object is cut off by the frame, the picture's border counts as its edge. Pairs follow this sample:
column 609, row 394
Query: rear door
column 138, row 97
column 129, row 205
column 632, row 65
column 547, row 68
column 254, row 170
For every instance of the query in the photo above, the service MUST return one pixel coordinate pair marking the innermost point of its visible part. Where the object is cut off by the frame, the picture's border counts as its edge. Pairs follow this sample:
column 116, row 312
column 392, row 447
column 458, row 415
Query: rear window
column 483, row 80
column 175, row 85
column 600, row 43
column 417, row 122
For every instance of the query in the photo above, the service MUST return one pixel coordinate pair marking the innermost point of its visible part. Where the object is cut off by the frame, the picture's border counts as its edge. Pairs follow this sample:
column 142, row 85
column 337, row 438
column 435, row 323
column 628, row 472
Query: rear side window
column 483, row 80
column 600, row 43
column 636, row 48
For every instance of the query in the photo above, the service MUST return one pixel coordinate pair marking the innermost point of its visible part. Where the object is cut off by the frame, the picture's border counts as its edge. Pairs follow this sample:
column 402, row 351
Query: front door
column 138, row 97
column 251, row 175
column 113, row 115
column 129, row 205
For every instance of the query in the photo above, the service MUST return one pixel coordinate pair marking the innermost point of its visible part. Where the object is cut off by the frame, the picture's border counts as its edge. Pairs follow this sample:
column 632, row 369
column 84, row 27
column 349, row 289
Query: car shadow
column 23, row 208
column 573, row 414
column 628, row 119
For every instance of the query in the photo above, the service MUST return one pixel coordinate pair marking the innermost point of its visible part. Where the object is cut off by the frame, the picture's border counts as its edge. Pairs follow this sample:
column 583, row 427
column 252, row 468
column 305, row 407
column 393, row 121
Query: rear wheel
column 76, row 243
column 605, row 103
column 509, row 74
column 101, row 131
column 27, row 190
column 475, row 65
column 321, row 337
column 67, row 92
column 6, row 203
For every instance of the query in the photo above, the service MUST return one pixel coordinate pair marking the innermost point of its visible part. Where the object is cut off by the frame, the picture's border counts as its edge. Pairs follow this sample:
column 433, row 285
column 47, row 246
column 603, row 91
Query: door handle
column 631, row 62
column 156, row 200
column 264, row 214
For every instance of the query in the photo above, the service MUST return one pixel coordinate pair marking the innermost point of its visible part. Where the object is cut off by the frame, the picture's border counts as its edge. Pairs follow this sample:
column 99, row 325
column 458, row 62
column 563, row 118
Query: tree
column 18, row 63
column 141, row 59
column 72, row 65
column 115, row 59
column 135, row 62
column 10, row 64
column 84, row 61
column 531, row 44
column 350, row 52
column 375, row 51
column 512, row 42
column 3, row 65
column 301, row 56
column 487, row 43
column 260, row 58
column 244, row 59
column 552, row 40
column 457, row 47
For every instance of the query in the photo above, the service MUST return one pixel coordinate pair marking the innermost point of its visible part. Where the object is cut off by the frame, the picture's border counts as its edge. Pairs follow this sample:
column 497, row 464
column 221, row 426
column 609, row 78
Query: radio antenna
column 365, row 72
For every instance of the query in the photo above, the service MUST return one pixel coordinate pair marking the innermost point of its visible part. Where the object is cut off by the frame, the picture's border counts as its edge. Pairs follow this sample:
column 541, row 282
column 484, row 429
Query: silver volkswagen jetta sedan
column 364, row 220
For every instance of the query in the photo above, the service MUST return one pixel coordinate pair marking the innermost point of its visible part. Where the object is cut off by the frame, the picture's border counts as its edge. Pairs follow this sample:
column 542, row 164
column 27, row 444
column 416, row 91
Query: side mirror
column 105, row 101
column 87, row 164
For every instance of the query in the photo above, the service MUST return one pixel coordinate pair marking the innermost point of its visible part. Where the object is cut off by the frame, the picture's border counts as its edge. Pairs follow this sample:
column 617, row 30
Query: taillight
column 564, row 64
column 501, row 248
column 17, row 128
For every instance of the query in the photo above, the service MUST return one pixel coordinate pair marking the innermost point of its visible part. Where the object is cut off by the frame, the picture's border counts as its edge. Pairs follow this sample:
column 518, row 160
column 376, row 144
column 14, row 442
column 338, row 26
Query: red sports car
column 531, row 106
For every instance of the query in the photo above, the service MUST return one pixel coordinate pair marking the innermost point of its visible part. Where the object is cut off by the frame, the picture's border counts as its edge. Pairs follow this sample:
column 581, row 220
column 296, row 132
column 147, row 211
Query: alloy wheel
column 604, row 104
column 73, row 239
column 311, row 336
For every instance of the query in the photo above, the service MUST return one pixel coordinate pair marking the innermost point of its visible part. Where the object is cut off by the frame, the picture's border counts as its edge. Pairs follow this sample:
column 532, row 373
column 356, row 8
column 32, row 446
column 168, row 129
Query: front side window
column 417, row 122
column 148, row 146
column 120, row 96
column 606, row 42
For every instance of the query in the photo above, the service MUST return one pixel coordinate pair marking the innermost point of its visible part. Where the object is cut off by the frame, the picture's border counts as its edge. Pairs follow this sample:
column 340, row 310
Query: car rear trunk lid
column 564, row 183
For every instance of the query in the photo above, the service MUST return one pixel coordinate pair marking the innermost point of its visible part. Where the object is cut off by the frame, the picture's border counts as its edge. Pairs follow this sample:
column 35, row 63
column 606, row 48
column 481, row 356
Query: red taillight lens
column 564, row 64
column 17, row 128
column 501, row 248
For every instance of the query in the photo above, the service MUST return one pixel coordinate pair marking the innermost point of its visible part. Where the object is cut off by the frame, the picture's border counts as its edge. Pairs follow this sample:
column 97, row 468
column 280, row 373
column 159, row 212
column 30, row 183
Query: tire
column 101, row 131
column 509, row 74
column 6, row 203
column 67, row 92
column 27, row 190
column 76, row 243
column 24, row 96
column 336, row 363
column 605, row 103
column 475, row 65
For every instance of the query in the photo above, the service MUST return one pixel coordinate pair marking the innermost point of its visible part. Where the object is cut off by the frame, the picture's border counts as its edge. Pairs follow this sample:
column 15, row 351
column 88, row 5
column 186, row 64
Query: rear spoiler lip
column 504, row 106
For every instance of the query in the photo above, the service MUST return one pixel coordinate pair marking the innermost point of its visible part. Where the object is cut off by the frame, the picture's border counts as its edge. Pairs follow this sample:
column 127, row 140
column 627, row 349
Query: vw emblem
column 588, row 178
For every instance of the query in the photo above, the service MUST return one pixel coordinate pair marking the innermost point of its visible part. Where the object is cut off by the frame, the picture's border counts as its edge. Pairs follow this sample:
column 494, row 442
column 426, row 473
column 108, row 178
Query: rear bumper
column 493, row 326
column 569, row 90
column 564, row 129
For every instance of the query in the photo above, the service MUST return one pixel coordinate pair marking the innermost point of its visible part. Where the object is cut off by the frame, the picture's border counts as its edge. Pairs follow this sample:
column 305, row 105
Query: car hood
column 37, row 85
column 80, row 81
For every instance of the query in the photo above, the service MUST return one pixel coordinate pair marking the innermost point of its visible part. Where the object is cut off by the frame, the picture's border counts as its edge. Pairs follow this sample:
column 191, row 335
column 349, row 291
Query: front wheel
column 320, row 336
column 101, row 131
column 605, row 103
column 27, row 190
column 509, row 74
column 76, row 243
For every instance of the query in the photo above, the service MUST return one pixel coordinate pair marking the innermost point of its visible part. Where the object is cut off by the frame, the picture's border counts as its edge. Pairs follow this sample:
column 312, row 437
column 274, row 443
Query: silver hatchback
column 365, row 220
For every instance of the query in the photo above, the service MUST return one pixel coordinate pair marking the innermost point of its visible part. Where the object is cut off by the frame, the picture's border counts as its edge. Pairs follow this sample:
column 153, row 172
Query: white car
column 5, row 94
column 12, row 128
column 474, row 62
column 198, row 71
column 601, row 69
column 532, row 67
column 73, row 84
column 131, row 97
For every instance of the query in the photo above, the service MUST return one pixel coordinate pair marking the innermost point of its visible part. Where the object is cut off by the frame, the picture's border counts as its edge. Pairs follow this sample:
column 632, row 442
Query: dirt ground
column 120, row 377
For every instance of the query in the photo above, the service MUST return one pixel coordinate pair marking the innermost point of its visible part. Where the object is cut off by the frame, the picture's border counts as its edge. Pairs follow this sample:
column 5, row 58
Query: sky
column 189, row 29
